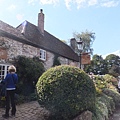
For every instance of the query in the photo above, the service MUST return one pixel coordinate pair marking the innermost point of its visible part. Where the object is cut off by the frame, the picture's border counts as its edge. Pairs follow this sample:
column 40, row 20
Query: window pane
column 42, row 54
column 3, row 70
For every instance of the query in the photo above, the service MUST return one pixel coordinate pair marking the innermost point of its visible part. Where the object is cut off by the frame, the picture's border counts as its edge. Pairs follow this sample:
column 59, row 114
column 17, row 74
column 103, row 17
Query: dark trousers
column 10, row 98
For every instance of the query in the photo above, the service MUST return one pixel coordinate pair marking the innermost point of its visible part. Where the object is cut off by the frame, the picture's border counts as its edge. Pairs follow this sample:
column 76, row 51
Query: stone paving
column 26, row 111
column 33, row 111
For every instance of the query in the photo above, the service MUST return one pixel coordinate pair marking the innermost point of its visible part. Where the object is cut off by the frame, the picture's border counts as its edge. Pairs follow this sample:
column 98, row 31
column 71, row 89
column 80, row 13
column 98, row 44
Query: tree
column 109, row 65
column 64, row 41
column 87, row 38
column 98, row 65
column 113, row 64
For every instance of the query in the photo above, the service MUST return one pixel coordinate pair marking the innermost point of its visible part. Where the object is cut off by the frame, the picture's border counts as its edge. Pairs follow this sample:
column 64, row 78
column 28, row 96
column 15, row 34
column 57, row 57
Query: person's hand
column 1, row 81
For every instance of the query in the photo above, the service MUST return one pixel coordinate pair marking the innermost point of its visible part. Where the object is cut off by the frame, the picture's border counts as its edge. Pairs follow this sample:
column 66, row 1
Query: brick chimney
column 41, row 22
column 73, row 43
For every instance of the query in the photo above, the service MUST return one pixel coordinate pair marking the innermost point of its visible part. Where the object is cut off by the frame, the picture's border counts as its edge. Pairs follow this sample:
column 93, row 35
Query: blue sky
column 64, row 17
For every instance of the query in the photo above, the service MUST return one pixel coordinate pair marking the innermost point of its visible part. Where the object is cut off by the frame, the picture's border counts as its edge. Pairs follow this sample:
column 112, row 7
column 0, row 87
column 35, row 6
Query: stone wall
column 14, row 48
column 10, row 49
column 66, row 61
column 49, row 60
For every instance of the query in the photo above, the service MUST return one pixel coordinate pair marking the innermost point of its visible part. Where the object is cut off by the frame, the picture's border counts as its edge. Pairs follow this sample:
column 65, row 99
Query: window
column 42, row 54
column 3, row 71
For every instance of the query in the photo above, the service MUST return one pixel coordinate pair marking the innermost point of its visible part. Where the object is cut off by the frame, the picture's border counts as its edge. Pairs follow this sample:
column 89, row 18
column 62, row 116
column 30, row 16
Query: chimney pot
column 72, row 43
column 41, row 10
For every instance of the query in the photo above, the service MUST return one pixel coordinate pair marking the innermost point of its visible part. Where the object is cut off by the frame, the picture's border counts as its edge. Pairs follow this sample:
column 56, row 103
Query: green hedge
column 66, row 91
column 28, row 70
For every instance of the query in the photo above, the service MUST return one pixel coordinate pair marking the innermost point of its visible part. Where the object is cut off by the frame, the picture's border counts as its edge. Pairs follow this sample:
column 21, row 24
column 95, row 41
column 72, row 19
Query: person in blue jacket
column 10, row 82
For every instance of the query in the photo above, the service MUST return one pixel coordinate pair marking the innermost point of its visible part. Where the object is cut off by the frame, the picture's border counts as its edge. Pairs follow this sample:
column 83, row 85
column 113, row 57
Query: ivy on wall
column 56, row 61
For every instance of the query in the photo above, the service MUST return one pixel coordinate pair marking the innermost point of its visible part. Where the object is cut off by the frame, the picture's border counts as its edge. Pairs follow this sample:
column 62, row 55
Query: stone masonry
column 14, row 48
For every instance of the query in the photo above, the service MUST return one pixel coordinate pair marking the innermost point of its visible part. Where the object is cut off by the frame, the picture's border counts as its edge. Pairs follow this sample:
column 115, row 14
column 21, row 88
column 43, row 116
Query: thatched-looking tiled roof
column 13, row 33
column 29, row 34
column 48, row 41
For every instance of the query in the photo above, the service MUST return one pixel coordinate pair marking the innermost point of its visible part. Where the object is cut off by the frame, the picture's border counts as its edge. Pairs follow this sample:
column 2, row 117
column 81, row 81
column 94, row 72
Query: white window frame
column 42, row 54
column 3, row 71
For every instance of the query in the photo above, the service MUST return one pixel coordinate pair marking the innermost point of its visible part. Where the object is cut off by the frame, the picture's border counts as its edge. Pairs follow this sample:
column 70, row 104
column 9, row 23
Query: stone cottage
column 30, row 40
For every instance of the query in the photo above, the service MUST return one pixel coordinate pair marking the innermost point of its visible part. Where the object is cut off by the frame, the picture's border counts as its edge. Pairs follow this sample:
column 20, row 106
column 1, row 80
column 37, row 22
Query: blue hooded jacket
column 10, row 81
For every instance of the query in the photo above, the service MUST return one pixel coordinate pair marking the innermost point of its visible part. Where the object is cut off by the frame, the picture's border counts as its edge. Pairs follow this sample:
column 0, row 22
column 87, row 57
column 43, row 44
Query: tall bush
column 28, row 70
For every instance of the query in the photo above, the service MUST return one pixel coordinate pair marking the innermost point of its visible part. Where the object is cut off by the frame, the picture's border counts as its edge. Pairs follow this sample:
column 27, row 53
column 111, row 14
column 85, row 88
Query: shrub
column 101, row 111
column 110, row 79
column 104, row 107
column 100, row 82
column 65, row 91
column 28, row 70
column 56, row 61
column 108, row 101
column 114, row 95
column 107, row 96
column 105, row 81
column 23, row 99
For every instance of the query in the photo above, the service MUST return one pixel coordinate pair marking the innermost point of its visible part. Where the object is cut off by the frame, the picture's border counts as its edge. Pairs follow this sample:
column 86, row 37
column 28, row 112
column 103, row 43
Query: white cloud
column 92, row 2
column 54, row 2
column 32, row 2
column 78, row 3
column 67, row 3
column 110, row 3
column 87, row 3
column 12, row 7
column 115, row 53
column 20, row 17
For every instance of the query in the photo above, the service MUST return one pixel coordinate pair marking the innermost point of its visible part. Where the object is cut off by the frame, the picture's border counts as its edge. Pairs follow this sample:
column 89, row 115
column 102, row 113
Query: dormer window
column 42, row 54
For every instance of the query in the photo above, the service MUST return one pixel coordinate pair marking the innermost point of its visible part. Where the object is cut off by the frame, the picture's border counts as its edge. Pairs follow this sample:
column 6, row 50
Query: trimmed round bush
column 66, row 91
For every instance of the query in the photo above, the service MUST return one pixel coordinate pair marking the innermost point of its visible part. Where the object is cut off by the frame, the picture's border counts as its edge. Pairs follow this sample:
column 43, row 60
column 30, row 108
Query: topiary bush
column 66, row 91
